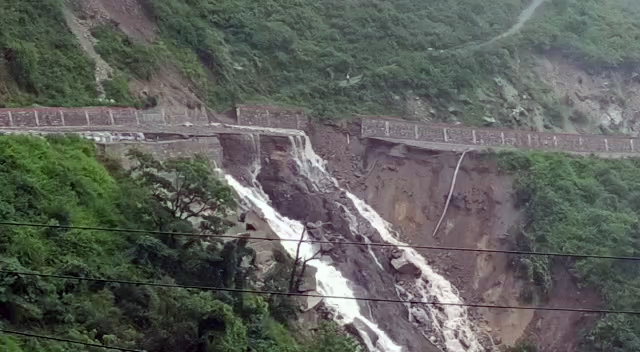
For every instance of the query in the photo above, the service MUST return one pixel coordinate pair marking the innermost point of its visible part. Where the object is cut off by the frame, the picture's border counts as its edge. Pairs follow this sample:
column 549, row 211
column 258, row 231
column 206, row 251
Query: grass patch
column 122, row 53
column 336, row 57
column 42, row 57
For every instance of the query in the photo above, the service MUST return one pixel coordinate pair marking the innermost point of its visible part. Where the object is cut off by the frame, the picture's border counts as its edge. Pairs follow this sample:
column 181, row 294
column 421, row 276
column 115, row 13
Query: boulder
column 311, row 302
column 315, row 234
column 308, row 282
column 404, row 266
column 326, row 248
column 396, row 253
column 363, row 332
column 253, row 221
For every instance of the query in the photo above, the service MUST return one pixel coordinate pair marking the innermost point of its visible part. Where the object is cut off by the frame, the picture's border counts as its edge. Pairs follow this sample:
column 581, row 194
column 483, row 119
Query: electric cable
column 26, row 334
column 297, row 294
column 350, row 243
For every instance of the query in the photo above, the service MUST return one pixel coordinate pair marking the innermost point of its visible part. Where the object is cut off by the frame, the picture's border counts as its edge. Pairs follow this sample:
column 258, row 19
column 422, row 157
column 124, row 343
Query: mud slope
column 408, row 187
column 172, row 88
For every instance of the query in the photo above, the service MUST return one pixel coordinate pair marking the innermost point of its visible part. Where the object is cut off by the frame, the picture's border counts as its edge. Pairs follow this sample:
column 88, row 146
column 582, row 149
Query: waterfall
column 454, row 329
column 451, row 322
column 330, row 281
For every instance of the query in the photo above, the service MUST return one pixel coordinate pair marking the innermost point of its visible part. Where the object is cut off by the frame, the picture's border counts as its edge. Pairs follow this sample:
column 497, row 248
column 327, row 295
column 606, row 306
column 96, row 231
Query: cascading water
column 451, row 322
column 330, row 281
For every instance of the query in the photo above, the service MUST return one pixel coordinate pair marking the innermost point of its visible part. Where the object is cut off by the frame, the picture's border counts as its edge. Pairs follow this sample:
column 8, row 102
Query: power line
column 350, row 243
column 69, row 341
column 368, row 299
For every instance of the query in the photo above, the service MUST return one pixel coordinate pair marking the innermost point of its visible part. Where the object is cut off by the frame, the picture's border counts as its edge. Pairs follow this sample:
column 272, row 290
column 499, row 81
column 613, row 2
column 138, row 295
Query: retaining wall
column 387, row 128
column 273, row 117
column 208, row 146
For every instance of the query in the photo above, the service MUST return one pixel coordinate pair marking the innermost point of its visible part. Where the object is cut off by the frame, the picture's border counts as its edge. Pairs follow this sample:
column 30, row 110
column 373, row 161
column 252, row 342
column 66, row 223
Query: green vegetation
column 340, row 57
column 43, row 60
column 121, row 53
column 334, row 57
column 584, row 205
column 60, row 181
column 523, row 347
column 593, row 31
column 117, row 89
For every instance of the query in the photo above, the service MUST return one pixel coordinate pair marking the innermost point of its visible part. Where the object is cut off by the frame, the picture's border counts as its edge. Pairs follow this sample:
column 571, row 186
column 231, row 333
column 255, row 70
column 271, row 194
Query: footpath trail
column 524, row 17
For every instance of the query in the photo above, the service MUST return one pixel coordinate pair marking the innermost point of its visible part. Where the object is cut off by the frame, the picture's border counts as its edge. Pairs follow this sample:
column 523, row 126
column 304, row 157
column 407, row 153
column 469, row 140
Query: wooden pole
column 453, row 184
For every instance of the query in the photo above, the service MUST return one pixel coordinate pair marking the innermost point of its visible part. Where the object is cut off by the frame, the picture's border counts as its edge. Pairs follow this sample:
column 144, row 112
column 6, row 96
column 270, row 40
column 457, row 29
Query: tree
column 184, row 189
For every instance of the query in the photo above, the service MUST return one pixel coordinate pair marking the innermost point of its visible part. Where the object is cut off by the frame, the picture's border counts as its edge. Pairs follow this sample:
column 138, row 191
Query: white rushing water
column 450, row 322
column 330, row 281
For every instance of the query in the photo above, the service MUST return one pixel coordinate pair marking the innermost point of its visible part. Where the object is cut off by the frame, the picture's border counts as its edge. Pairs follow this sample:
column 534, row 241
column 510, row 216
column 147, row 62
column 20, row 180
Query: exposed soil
column 129, row 15
column 607, row 98
column 172, row 89
column 409, row 186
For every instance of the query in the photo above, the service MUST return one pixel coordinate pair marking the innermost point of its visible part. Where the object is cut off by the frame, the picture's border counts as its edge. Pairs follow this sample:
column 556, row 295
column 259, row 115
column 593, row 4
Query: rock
column 404, row 266
column 315, row 225
column 311, row 302
column 246, row 262
column 581, row 97
column 361, row 330
column 308, row 283
column 421, row 316
column 252, row 221
column 326, row 248
column 397, row 253
column 315, row 233
column 399, row 151
column 458, row 200
column 455, row 111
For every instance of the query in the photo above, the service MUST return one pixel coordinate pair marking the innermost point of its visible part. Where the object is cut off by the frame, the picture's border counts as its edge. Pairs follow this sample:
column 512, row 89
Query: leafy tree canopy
column 60, row 180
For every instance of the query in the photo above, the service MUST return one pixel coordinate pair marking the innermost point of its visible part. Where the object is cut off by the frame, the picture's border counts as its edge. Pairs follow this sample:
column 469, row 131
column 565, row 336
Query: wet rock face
column 404, row 266
column 280, row 179
column 334, row 217
column 239, row 154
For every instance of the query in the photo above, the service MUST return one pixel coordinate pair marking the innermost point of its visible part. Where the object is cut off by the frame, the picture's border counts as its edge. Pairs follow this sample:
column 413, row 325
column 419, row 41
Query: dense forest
column 583, row 205
column 334, row 57
column 61, row 181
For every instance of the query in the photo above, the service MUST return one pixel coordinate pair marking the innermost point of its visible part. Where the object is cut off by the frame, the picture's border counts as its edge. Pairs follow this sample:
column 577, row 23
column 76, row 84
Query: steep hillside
column 465, row 60
column 513, row 201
